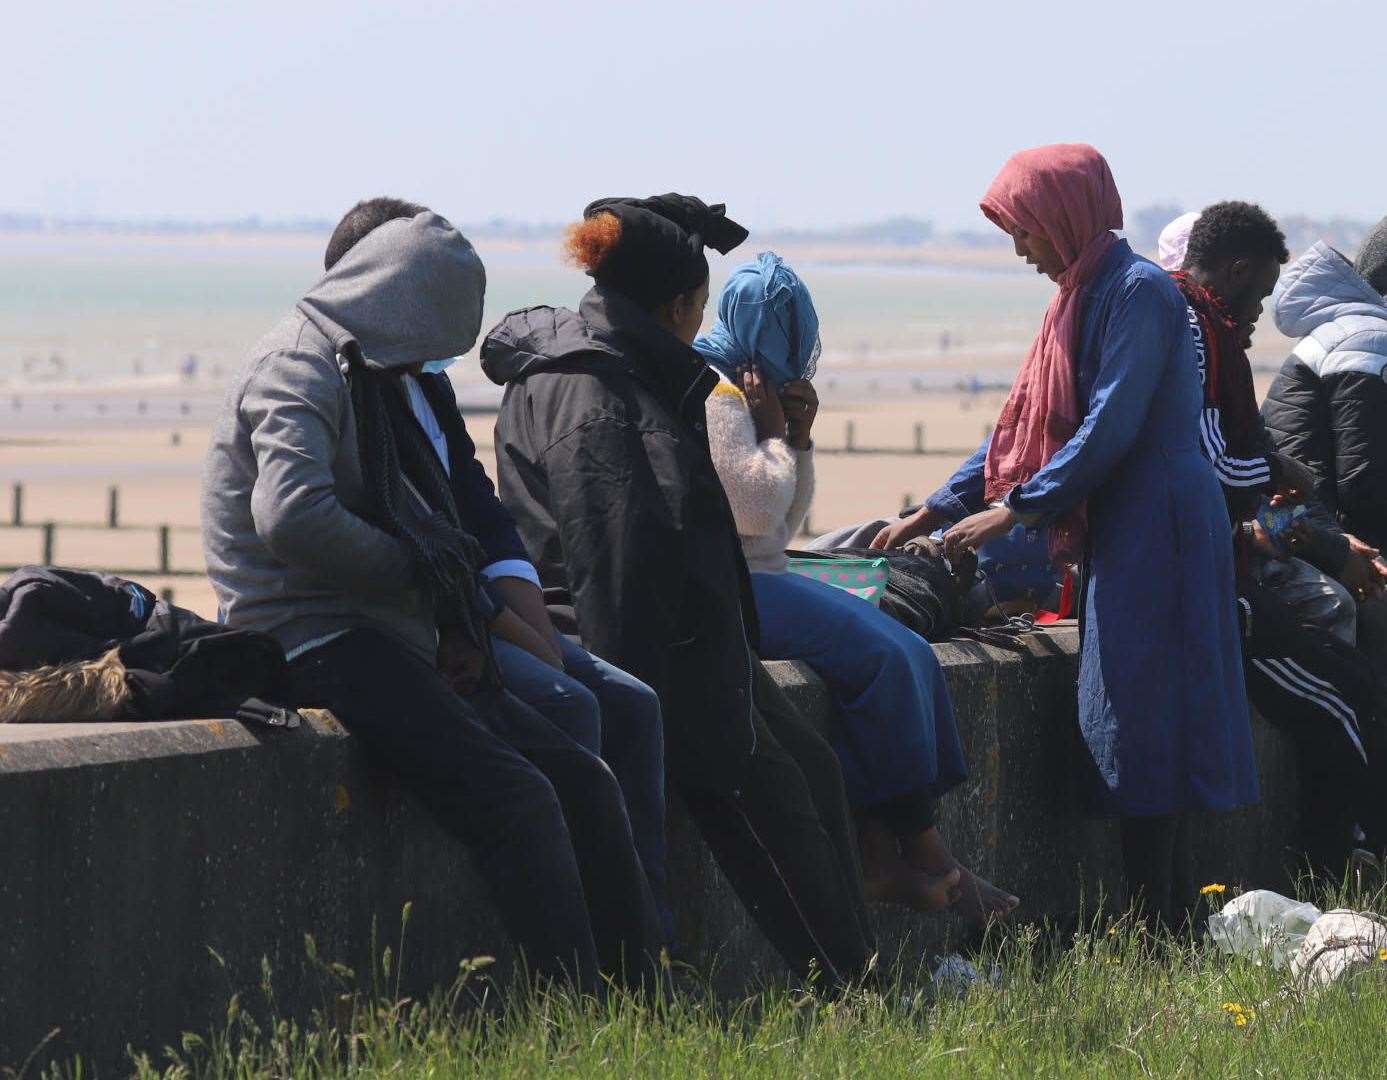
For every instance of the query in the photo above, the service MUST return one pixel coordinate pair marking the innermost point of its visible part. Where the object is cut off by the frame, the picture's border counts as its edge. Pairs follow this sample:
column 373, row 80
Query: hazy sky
column 804, row 112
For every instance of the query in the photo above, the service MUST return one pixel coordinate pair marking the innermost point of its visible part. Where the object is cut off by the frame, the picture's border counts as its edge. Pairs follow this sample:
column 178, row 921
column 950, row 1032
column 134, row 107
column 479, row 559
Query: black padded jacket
column 1327, row 407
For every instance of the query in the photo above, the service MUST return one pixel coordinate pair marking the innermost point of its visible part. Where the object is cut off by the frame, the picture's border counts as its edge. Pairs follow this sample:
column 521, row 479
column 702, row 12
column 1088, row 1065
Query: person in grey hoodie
column 331, row 521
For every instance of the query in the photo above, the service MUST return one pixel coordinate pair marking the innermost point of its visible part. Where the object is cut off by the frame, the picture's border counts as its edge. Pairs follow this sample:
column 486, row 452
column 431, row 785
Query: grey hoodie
column 1328, row 406
column 288, row 550
column 1320, row 295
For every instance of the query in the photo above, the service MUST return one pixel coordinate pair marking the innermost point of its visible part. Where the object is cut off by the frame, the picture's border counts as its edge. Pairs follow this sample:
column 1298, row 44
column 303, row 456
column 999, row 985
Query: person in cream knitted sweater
column 897, row 741
column 773, row 475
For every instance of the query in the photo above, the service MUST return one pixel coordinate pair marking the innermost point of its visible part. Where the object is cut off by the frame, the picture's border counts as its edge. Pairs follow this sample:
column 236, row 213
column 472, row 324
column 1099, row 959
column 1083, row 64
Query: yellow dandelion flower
column 1382, row 955
column 1240, row 1020
column 1212, row 888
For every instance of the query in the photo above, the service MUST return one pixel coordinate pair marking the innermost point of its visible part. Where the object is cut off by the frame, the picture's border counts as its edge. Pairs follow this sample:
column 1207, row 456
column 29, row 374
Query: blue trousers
column 617, row 717
column 896, row 736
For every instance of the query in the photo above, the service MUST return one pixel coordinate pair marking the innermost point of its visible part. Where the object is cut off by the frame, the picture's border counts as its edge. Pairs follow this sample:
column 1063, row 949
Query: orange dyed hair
column 588, row 242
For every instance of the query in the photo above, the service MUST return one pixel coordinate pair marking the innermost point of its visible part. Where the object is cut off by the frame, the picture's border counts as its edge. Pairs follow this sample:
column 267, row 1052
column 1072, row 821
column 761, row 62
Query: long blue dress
column 1162, row 704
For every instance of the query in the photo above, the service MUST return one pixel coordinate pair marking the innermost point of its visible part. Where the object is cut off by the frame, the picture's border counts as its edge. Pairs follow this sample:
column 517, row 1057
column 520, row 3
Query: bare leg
column 888, row 879
column 979, row 900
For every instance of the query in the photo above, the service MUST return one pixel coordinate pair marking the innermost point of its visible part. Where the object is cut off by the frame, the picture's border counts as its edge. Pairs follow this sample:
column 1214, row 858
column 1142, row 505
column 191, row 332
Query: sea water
column 104, row 313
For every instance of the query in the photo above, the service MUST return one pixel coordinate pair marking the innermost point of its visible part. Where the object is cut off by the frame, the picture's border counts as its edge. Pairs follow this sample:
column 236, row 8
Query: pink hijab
column 1066, row 193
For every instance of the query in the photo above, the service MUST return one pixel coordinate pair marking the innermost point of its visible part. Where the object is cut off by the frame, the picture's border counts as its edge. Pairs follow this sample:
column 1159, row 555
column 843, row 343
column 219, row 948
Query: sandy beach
column 67, row 470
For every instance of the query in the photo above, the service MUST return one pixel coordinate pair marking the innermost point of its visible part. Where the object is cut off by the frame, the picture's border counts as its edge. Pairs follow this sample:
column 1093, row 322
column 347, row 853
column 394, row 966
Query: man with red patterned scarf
column 1299, row 675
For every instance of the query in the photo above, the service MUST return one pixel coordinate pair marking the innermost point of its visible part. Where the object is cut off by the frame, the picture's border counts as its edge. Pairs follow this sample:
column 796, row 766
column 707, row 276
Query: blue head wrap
column 765, row 317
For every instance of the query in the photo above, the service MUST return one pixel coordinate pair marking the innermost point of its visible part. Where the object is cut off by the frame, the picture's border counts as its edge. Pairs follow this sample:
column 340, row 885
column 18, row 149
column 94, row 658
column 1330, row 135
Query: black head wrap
column 660, row 254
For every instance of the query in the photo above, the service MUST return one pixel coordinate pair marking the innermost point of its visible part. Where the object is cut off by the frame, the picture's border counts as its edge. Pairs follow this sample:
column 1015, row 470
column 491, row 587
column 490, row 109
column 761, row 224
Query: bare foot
column 887, row 878
column 915, row 890
column 979, row 900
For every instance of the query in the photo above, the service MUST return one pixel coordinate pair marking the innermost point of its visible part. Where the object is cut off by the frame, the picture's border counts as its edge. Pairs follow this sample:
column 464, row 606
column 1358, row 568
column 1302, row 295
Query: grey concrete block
column 131, row 853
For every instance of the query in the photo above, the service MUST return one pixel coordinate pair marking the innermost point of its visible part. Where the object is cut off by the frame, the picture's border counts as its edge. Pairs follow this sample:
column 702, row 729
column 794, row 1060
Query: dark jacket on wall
column 602, row 456
column 168, row 663
column 1328, row 406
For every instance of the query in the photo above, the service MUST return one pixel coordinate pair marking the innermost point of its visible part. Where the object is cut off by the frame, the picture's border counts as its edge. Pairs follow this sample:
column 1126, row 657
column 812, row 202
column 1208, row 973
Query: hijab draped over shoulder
column 1066, row 193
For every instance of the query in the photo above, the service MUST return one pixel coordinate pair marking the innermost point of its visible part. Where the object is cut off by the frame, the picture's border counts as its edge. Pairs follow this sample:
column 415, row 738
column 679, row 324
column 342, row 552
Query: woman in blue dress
column 1099, row 441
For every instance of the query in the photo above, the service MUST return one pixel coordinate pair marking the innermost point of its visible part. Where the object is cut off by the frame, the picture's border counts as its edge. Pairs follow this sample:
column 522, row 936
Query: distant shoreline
column 941, row 255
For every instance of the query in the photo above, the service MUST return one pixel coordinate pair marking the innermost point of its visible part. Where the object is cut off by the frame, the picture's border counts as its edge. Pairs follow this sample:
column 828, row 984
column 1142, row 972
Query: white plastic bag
column 1339, row 942
column 953, row 974
column 1263, row 923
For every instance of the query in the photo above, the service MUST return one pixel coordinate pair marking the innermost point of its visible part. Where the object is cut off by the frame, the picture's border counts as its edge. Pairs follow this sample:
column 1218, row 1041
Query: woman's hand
column 766, row 411
column 899, row 533
column 800, row 402
column 973, row 532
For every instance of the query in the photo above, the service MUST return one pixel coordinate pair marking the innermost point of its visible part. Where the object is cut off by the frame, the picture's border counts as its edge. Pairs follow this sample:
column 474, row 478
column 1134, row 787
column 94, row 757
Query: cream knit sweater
column 769, row 484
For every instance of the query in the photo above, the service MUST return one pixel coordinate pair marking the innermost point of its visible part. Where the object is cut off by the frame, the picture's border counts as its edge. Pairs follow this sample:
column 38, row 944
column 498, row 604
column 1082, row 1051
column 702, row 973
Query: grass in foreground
column 1108, row 1004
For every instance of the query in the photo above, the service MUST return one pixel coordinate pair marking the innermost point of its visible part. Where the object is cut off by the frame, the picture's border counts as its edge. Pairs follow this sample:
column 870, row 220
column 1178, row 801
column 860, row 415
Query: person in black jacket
column 603, row 460
column 1328, row 405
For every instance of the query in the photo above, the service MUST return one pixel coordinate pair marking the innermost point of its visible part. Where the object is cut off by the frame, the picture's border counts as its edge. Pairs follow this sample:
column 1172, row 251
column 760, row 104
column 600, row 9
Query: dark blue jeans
column 897, row 737
column 617, row 717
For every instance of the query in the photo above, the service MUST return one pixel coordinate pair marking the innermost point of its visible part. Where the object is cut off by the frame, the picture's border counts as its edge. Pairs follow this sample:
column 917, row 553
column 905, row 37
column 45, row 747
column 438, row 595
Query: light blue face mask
column 437, row 367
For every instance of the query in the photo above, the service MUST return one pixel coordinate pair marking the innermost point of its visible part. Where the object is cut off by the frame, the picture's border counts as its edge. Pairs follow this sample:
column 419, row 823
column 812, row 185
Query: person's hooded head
column 1174, row 241
column 651, row 251
column 404, row 288
column 401, row 282
column 766, row 318
column 1371, row 263
column 1059, row 204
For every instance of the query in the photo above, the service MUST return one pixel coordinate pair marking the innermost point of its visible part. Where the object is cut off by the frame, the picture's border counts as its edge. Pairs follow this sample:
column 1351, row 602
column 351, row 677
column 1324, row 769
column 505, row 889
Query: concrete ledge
column 130, row 852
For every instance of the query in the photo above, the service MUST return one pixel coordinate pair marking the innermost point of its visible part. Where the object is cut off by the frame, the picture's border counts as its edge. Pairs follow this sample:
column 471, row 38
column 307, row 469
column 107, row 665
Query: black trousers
column 544, row 817
column 1322, row 691
column 785, row 839
column 1157, row 868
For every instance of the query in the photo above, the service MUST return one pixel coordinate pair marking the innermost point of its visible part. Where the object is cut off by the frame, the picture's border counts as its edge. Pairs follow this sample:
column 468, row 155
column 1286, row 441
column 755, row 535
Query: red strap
column 1066, row 604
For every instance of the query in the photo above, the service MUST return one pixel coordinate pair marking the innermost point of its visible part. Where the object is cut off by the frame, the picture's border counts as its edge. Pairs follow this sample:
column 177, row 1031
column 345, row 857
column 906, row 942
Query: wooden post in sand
column 50, row 532
column 848, row 436
column 17, row 505
column 113, row 507
column 164, row 549
column 919, row 438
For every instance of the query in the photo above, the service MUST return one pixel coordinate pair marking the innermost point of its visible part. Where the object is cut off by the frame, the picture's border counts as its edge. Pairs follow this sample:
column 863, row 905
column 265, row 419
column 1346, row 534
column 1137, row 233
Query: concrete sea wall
column 147, row 871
